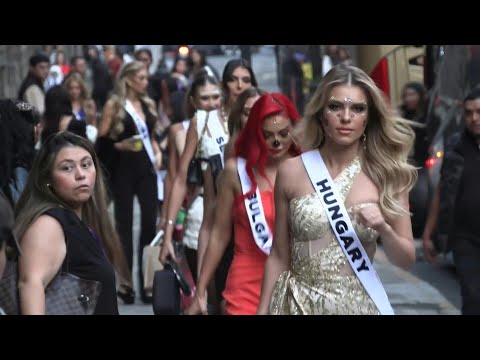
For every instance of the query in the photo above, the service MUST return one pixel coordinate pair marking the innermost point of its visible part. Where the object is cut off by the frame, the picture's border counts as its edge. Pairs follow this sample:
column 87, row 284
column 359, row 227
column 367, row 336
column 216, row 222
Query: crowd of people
column 283, row 214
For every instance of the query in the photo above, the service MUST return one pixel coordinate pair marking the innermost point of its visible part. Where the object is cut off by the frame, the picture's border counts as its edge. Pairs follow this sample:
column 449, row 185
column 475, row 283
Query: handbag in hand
column 173, row 287
column 195, row 173
column 167, row 284
column 66, row 294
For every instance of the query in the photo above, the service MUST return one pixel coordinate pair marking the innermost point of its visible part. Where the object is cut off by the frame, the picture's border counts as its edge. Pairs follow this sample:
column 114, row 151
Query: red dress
column 244, row 281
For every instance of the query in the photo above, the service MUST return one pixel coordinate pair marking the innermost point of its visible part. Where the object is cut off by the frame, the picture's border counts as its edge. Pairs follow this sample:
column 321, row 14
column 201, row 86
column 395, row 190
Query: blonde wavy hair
column 389, row 138
column 120, row 96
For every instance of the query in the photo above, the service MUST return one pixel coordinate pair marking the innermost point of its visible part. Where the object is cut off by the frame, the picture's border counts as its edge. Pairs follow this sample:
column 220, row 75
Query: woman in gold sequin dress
column 365, row 147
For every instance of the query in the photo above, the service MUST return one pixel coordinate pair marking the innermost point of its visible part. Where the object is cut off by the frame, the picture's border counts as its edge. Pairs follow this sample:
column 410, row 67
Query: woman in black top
column 62, row 223
column 130, row 113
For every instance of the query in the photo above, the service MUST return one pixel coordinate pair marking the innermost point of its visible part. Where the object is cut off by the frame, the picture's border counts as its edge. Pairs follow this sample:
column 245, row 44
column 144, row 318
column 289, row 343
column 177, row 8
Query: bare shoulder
column 43, row 231
column 175, row 128
column 290, row 169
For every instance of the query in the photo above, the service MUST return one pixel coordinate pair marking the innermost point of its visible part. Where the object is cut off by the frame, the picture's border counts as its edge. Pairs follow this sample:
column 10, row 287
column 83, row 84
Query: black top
column 468, row 197
column 86, row 259
column 130, row 161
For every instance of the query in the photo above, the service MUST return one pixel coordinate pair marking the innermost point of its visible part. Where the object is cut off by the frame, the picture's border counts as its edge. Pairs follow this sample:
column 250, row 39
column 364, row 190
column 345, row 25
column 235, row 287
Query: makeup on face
column 277, row 134
column 338, row 107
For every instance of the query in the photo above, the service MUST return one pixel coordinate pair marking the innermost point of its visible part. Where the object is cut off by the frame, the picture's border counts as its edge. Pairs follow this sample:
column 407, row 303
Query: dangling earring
column 364, row 141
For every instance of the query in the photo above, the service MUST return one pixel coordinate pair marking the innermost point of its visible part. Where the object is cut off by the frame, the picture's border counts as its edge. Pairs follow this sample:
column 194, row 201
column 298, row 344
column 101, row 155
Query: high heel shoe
column 128, row 296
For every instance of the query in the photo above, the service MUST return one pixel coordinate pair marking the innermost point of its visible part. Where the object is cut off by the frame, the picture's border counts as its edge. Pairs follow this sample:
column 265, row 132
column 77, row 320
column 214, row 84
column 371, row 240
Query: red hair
column 250, row 143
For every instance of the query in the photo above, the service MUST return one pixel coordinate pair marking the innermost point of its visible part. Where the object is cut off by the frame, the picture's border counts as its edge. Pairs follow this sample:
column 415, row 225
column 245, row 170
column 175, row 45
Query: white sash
column 147, row 144
column 219, row 136
column 344, row 230
column 256, row 216
column 142, row 130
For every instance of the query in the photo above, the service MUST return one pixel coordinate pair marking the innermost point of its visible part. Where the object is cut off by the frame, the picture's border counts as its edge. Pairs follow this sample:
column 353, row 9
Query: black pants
column 125, row 187
column 466, row 255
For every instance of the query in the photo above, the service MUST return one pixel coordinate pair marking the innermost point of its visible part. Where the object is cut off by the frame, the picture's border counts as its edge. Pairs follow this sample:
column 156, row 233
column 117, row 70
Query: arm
column 431, row 223
column 220, row 235
column 43, row 252
column 279, row 259
column 397, row 237
column 157, row 152
column 107, row 119
column 171, row 174
column 230, row 147
column 179, row 189
column 209, row 206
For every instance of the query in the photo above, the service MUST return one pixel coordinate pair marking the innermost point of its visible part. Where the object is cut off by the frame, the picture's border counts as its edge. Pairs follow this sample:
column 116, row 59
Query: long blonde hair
column 120, row 96
column 389, row 138
column 38, row 198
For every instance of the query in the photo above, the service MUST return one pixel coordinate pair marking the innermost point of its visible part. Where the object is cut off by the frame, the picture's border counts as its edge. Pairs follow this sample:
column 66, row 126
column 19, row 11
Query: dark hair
column 230, row 68
column 57, row 105
column 17, row 147
column 38, row 58
column 234, row 119
column 201, row 79
column 74, row 59
column 143, row 50
column 473, row 95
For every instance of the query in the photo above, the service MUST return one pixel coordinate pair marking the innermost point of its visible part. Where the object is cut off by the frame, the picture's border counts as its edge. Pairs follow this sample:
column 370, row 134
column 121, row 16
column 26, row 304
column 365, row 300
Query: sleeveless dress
column 244, row 281
column 87, row 259
column 320, row 280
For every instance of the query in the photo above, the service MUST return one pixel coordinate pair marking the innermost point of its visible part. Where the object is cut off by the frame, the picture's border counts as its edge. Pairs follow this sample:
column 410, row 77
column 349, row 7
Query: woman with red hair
column 246, row 193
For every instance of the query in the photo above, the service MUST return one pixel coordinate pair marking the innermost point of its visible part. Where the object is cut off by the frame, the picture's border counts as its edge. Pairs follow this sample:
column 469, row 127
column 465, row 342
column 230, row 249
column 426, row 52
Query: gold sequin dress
column 320, row 280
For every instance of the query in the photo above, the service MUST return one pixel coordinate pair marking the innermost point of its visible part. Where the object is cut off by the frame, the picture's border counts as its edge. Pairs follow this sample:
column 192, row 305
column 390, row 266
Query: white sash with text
column 142, row 130
column 256, row 216
column 219, row 135
column 147, row 144
column 344, row 230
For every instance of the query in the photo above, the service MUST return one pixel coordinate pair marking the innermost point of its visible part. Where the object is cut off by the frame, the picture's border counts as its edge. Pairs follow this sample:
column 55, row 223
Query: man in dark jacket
column 32, row 90
column 454, row 211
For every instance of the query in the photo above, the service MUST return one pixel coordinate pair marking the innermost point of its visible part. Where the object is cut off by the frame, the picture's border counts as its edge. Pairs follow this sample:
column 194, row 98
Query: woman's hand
column 372, row 217
column 429, row 251
column 167, row 251
column 199, row 304
column 130, row 144
column 158, row 160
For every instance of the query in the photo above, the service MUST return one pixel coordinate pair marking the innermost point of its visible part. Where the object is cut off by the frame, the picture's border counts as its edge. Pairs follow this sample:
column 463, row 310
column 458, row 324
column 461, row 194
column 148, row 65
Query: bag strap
column 344, row 230
column 205, row 127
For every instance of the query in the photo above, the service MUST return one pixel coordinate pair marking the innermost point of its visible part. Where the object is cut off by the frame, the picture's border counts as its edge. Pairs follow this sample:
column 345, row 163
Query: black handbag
column 195, row 174
column 167, row 285
column 66, row 294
